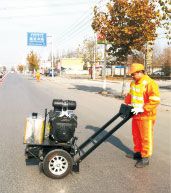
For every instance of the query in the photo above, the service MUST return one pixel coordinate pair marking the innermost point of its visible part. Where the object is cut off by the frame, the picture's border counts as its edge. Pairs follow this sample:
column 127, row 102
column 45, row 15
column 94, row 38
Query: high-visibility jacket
column 144, row 94
column 37, row 74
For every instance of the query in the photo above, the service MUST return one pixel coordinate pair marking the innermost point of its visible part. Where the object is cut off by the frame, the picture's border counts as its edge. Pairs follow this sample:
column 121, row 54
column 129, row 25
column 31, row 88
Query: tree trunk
column 91, row 72
column 94, row 72
column 111, row 71
column 104, row 69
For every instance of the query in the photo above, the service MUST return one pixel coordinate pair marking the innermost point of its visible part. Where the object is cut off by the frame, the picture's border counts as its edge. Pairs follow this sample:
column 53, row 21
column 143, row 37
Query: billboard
column 36, row 39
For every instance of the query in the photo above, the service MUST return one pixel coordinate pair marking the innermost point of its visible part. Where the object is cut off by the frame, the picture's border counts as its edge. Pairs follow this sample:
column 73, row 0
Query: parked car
column 46, row 72
column 158, row 73
column 63, row 69
column 67, row 70
column 49, row 72
column 55, row 73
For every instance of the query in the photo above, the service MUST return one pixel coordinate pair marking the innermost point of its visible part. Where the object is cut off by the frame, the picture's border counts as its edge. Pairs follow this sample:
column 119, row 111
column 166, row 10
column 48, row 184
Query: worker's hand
column 135, row 111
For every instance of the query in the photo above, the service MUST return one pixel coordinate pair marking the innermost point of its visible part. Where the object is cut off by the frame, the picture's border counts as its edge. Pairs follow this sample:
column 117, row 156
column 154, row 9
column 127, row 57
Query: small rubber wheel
column 57, row 164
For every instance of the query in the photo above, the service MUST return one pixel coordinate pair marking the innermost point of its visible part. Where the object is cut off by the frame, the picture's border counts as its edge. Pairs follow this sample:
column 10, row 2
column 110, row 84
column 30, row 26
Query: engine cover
column 62, row 128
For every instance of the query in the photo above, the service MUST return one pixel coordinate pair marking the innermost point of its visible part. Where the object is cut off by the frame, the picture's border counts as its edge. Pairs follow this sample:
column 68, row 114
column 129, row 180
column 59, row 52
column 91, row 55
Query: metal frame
column 124, row 112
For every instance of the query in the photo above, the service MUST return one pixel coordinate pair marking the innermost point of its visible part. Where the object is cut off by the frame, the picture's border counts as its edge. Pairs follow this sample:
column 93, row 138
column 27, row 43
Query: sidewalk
column 113, row 87
column 162, row 83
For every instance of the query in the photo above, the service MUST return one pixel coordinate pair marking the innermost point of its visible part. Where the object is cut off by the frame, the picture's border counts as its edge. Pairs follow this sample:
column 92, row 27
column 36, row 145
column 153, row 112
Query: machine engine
column 62, row 121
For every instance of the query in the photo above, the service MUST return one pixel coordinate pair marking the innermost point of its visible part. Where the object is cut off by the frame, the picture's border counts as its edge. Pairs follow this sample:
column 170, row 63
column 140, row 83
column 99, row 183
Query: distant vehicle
column 55, row 73
column 1, row 74
column 63, row 69
column 46, row 72
column 49, row 72
column 158, row 73
column 12, row 70
column 66, row 70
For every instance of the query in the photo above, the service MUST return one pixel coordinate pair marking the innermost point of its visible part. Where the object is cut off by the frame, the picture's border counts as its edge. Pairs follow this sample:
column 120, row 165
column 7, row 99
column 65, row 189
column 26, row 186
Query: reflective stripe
column 136, row 89
column 155, row 98
column 150, row 137
column 144, row 82
column 137, row 105
column 137, row 93
column 137, row 98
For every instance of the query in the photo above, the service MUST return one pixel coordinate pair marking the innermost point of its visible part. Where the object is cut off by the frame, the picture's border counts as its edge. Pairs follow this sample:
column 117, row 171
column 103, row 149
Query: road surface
column 106, row 170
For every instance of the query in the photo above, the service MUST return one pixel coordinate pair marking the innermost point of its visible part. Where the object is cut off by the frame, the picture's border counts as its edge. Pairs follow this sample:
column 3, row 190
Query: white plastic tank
column 34, row 130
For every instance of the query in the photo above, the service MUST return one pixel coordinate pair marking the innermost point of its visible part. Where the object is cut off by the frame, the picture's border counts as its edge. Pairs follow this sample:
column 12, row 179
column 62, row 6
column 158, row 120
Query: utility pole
column 94, row 55
column 145, row 56
column 52, row 56
column 149, row 56
column 102, row 40
column 104, row 68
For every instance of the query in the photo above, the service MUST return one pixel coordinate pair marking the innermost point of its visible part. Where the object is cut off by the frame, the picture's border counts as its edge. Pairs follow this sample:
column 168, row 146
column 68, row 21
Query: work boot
column 142, row 163
column 135, row 156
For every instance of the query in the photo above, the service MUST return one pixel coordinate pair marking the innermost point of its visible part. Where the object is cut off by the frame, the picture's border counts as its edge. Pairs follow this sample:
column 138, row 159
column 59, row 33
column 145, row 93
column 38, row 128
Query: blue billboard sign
column 36, row 39
column 119, row 66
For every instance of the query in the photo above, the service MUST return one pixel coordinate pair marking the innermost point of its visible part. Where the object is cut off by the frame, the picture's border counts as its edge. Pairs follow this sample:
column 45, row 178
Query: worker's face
column 137, row 75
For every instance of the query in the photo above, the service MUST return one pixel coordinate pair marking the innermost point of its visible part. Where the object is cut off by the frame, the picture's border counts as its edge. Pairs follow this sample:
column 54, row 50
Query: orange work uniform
column 143, row 93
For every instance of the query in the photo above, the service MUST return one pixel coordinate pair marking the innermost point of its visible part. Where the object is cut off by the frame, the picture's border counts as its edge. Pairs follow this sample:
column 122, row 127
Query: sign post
column 36, row 39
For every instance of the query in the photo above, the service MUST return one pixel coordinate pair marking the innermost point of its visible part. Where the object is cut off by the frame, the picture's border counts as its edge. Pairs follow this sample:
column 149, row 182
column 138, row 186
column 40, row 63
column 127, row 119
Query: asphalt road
column 106, row 170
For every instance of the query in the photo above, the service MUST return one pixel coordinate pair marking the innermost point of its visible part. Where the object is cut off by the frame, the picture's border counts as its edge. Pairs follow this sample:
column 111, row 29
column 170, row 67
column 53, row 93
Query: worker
column 144, row 98
column 38, row 75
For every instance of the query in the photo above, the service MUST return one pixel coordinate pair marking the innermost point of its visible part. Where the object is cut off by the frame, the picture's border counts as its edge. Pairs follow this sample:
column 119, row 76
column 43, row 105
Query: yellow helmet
column 135, row 67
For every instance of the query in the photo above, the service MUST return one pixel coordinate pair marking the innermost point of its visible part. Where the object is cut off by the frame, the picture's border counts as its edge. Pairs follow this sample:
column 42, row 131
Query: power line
column 77, row 25
column 73, row 34
column 75, row 31
column 75, row 28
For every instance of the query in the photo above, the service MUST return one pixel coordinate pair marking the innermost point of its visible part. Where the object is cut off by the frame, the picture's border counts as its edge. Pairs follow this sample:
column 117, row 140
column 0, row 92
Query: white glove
column 135, row 111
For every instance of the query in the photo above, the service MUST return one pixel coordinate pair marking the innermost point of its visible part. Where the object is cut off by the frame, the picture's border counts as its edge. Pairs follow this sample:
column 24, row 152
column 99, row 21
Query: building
column 72, row 63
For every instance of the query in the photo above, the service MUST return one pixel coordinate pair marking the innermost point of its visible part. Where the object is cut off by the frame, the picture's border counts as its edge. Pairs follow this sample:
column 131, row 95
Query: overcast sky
column 68, row 21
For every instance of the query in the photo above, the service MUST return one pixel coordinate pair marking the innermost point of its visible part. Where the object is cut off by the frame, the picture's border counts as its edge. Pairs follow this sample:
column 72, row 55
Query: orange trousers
column 142, row 132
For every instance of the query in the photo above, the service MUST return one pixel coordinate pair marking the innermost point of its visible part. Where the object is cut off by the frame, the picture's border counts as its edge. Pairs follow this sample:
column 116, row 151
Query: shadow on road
column 88, row 88
column 168, row 87
column 112, row 139
column 95, row 89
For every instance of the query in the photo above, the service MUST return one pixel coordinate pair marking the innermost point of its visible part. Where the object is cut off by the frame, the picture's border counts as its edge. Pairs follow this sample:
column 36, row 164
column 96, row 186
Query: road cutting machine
column 51, row 142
